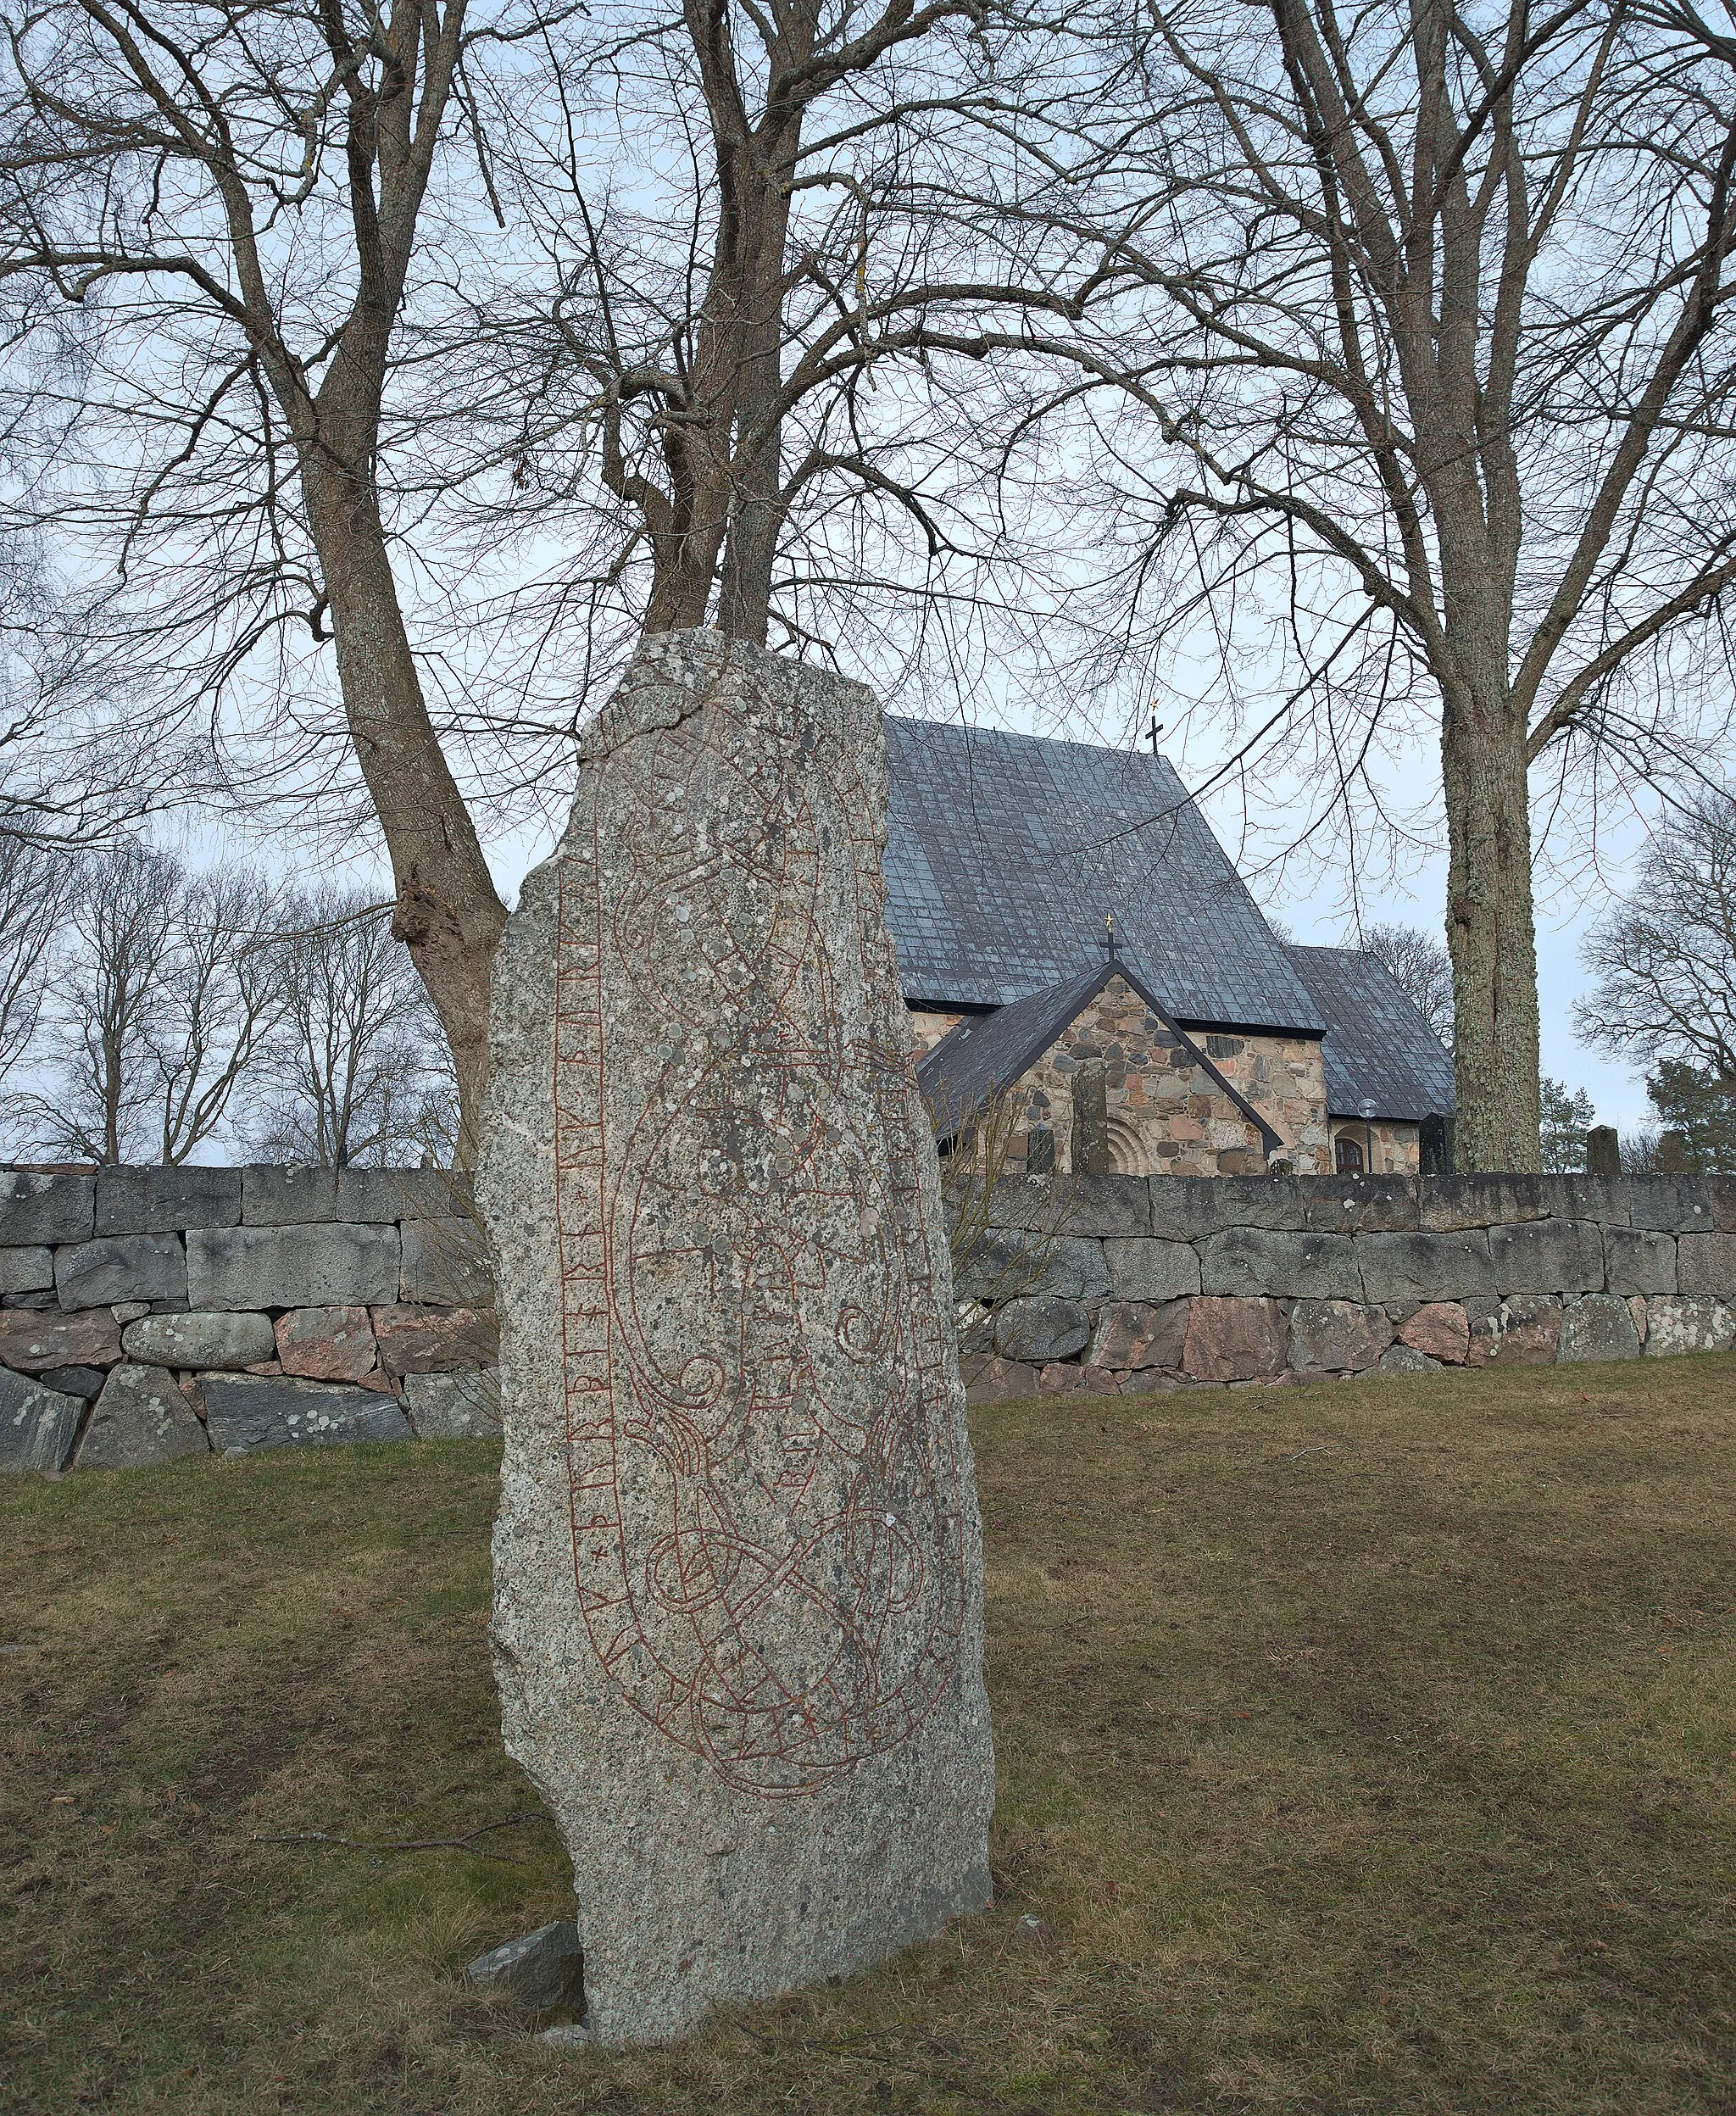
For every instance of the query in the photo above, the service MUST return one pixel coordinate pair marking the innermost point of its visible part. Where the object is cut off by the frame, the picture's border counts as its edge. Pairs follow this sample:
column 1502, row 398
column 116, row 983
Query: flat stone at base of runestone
column 737, row 1620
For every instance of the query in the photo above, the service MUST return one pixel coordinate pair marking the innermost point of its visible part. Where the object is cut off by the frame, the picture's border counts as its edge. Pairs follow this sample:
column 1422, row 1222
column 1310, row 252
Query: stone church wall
column 1397, row 1148
column 1117, row 1093
column 150, row 1312
column 1284, row 1078
column 1117, row 1285
column 928, row 1024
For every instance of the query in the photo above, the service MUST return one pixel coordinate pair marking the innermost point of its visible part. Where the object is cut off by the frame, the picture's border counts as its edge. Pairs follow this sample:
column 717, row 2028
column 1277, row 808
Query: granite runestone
column 739, row 1643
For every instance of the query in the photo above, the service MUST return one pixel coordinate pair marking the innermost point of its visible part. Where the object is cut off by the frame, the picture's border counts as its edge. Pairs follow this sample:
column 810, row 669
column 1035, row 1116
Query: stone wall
column 1133, row 1285
column 150, row 1312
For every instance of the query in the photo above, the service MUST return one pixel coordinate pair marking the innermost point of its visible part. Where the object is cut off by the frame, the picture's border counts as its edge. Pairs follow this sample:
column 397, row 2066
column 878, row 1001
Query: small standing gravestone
column 1603, row 1151
column 737, row 1619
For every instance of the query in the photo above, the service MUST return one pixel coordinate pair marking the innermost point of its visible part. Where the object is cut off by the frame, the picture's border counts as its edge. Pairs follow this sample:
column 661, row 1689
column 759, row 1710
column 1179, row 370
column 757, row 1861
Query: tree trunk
column 448, row 912
column 1491, row 931
column 757, row 507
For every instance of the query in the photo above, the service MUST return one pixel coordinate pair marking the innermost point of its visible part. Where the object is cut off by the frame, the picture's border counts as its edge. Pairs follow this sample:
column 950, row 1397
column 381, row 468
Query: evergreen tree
column 1702, row 1107
column 1566, row 1118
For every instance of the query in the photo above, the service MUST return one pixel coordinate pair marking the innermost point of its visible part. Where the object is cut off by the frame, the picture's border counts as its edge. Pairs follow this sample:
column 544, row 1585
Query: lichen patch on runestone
column 737, row 1618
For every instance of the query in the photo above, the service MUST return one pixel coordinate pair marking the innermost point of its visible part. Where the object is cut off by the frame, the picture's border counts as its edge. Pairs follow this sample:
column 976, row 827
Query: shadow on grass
column 1368, row 1748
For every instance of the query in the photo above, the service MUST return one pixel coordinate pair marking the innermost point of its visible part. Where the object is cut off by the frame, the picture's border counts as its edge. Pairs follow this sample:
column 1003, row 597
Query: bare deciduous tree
column 1664, row 956
column 270, row 217
column 236, row 195
column 761, row 337
column 1420, row 967
column 358, row 1072
column 36, row 887
column 161, row 1000
column 219, row 1001
column 103, row 991
column 1427, row 310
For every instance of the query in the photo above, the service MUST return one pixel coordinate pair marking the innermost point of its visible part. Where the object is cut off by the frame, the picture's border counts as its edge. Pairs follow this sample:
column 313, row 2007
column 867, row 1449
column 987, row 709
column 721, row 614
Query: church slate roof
column 1376, row 1044
column 1004, row 853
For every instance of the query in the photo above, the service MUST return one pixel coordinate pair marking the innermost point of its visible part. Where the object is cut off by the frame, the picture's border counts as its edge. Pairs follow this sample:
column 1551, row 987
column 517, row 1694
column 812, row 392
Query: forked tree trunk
column 1491, row 934
column 448, row 912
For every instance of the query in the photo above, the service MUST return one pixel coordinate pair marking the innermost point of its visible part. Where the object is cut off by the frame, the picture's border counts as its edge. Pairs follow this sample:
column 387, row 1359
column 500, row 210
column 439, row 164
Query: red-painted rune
column 765, row 1518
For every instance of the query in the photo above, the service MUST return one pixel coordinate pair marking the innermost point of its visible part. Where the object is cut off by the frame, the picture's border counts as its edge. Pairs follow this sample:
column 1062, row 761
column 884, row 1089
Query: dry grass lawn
column 1370, row 1748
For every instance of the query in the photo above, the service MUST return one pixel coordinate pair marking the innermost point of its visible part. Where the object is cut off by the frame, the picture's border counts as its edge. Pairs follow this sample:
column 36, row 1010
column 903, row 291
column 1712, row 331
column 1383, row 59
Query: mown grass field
column 1366, row 1748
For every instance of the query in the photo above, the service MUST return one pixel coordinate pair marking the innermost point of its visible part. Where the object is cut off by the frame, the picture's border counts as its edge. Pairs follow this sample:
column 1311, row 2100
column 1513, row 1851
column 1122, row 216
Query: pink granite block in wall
column 418, row 1339
column 325, row 1344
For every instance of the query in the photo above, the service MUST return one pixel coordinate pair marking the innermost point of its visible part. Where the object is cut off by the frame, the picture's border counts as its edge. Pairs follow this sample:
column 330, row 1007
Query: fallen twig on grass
column 465, row 1843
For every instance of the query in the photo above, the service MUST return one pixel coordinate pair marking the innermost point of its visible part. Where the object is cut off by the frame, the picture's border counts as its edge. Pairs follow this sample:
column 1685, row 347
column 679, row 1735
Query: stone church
column 1080, row 955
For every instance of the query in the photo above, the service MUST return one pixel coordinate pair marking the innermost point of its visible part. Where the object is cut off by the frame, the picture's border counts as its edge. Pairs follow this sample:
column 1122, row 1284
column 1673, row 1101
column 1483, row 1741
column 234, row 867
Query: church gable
column 1121, row 1093
column 1092, row 1077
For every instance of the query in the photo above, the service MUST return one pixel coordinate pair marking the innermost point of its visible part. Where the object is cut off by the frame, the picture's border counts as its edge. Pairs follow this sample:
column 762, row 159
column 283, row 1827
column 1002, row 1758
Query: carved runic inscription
column 766, row 1526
